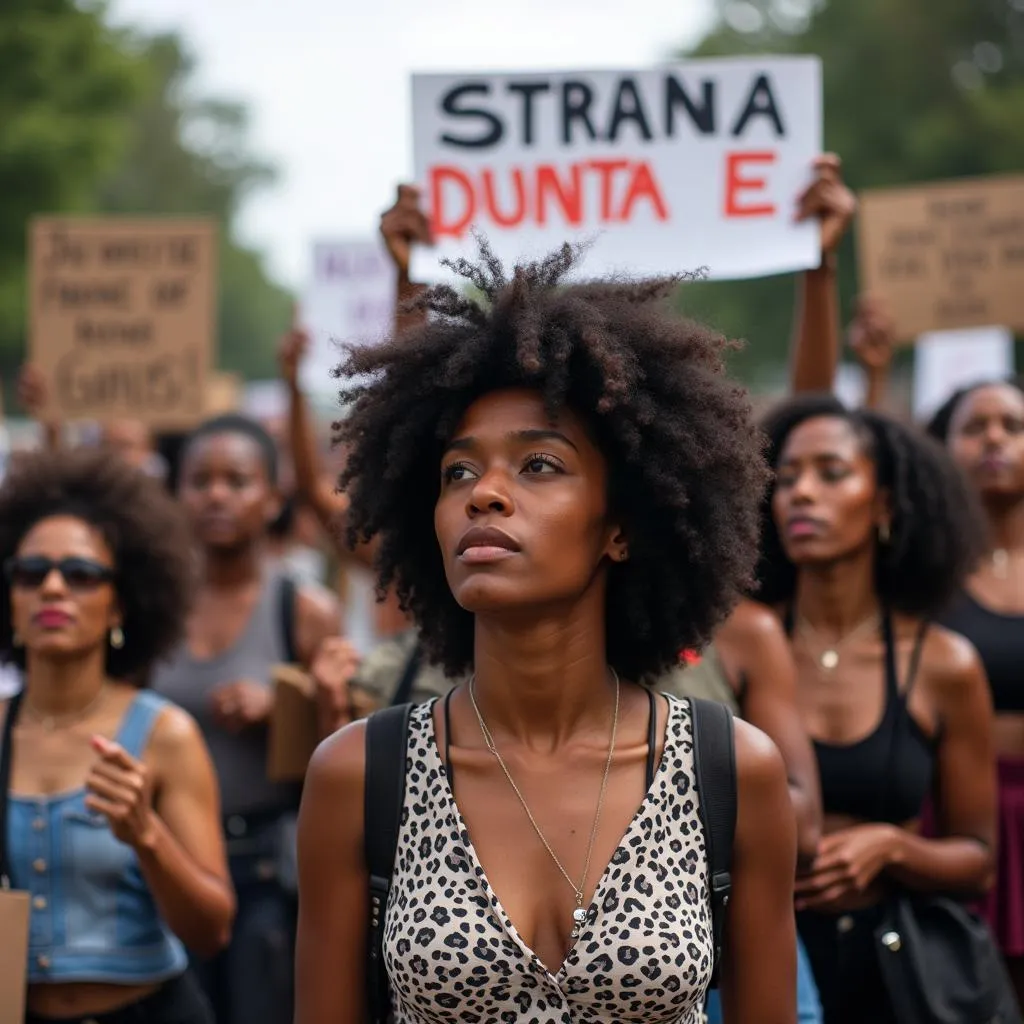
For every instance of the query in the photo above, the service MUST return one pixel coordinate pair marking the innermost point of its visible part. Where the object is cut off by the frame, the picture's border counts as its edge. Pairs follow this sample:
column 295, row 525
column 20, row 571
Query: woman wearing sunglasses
column 111, row 817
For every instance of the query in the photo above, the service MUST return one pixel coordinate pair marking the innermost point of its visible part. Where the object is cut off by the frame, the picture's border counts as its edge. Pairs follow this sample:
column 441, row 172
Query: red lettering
column 550, row 188
column 735, row 183
column 442, row 222
column 607, row 168
column 501, row 219
column 643, row 186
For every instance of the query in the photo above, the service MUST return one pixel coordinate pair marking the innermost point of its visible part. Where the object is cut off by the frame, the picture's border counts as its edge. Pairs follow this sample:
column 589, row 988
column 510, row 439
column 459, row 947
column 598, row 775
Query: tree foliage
column 915, row 90
column 96, row 120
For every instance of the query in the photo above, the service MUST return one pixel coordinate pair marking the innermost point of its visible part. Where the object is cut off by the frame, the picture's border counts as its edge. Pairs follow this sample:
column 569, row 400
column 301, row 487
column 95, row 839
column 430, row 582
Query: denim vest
column 93, row 918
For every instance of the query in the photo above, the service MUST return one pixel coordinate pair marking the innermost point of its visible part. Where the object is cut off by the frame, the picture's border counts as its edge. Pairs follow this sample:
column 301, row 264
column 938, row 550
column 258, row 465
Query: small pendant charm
column 579, row 917
column 830, row 659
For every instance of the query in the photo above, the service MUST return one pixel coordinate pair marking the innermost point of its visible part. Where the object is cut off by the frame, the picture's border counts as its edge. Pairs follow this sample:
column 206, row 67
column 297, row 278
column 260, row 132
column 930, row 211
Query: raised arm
column 816, row 334
column 872, row 340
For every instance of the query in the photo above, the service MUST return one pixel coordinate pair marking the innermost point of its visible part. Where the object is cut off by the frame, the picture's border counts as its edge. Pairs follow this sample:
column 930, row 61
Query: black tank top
column 887, row 775
column 999, row 640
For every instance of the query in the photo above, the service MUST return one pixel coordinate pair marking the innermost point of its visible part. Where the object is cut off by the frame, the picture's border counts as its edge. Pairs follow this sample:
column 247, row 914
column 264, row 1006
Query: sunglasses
column 29, row 572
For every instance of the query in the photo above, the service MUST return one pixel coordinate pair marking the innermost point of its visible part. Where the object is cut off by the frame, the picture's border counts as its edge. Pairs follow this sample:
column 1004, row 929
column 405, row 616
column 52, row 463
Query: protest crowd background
column 769, row 391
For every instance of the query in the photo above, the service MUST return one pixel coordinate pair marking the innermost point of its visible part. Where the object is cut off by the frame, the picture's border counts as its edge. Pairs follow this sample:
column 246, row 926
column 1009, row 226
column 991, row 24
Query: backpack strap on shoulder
column 714, row 765
column 287, row 594
column 384, row 795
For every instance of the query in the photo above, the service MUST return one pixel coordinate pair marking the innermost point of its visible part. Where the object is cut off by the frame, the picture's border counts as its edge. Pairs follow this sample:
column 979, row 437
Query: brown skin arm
column 754, row 649
column 816, row 336
column 871, row 338
column 317, row 617
column 33, row 397
column 330, row 976
column 183, row 859
column 758, row 981
column 964, row 859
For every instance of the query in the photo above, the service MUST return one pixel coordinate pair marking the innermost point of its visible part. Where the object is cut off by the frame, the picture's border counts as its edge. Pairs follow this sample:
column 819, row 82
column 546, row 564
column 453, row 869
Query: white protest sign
column 350, row 298
column 687, row 166
column 947, row 360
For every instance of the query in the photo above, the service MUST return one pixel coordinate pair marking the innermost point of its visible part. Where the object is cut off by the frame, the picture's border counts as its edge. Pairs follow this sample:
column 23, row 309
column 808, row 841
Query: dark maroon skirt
column 1003, row 906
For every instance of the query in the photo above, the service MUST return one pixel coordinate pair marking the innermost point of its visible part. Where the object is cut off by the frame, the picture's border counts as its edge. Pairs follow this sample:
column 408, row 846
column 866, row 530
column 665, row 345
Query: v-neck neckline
column 594, row 907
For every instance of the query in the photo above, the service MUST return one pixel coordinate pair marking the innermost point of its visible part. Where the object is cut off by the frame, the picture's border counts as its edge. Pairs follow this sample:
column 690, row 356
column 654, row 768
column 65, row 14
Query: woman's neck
column 539, row 681
column 838, row 597
column 226, row 570
column 55, row 689
column 1006, row 524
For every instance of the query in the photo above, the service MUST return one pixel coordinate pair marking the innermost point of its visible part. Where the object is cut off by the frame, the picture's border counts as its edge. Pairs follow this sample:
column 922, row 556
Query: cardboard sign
column 946, row 256
column 14, row 926
column 350, row 298
column 688, row 166
column 293, row 732
column 947, row 360
column 223, row 393
column 122, row 317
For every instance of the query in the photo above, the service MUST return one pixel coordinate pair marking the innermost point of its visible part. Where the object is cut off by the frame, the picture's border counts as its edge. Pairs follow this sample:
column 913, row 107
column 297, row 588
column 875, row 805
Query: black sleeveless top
column 887, row 775
column 999, row 640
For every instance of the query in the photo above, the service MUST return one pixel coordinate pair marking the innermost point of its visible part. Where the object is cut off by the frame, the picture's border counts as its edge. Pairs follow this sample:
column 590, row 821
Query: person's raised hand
column 829, row 200
column 33, row 393
column 871, row 335
column 403, row 226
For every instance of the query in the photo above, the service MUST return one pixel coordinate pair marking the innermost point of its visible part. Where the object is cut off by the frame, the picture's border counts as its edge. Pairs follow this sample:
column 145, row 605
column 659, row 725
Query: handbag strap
column 6, row 753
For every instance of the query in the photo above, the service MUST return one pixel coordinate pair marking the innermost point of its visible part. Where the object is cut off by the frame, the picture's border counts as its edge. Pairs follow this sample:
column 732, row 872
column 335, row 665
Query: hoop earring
column 16, row 640
column 884, row 533
column 117, row 638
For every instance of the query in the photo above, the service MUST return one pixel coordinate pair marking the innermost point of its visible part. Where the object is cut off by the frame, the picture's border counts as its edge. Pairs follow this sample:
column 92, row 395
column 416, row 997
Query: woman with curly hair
column 112, row 812
column 868, row 531
column 565, row 487
column 983, row 427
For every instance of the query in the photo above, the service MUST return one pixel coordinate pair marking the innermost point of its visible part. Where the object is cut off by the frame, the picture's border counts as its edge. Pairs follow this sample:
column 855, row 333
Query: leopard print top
column 645, row 955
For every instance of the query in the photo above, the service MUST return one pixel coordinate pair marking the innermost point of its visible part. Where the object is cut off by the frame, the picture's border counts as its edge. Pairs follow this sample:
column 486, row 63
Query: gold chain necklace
column 53, row 722
column 579, row 915
column 828, row 659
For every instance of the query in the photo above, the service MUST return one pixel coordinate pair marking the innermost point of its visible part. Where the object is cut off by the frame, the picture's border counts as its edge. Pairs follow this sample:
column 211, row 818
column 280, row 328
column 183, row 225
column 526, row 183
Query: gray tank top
column 240, row 760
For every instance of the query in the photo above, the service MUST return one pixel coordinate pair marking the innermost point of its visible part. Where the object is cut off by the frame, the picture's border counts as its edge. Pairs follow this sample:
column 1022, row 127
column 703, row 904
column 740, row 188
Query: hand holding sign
column 404, row 225
column 828, row 199
column 121, row 789
column 871, row 336
column 294, row 346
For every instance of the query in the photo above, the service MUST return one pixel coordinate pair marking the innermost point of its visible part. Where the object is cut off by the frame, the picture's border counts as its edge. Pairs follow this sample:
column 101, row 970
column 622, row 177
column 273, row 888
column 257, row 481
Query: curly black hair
column 942, row 419
column 140, row 522
column 686, row 471
column 937, row 529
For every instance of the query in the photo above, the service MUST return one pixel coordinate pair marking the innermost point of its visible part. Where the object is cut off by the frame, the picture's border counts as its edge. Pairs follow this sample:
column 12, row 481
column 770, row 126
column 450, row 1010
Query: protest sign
column 223, row 393
column 945, row 256
column 947, row 360
column 688, row 166
column 122, row 317
column 350, row 298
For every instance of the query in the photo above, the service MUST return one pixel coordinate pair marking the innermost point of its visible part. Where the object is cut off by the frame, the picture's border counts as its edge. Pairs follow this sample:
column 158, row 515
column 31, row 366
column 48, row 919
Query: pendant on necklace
column 829, row 659
column 579, row 917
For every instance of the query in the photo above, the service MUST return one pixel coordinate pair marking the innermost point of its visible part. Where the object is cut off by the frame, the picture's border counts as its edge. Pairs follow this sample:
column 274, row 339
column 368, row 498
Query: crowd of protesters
column 577, row 527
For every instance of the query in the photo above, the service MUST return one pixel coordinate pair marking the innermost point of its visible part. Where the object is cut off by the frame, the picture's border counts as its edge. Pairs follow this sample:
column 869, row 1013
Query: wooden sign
column 123, row 317
column 946, row 256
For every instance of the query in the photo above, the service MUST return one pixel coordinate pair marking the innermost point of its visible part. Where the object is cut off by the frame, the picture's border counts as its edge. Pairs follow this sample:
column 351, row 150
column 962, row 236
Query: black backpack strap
column 410, row 670
column 386, row 751
column 287, row 593
column 714, row 765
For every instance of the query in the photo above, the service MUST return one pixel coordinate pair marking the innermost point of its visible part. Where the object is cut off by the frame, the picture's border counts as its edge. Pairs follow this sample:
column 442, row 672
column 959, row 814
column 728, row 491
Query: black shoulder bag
column 939, row 962
column 714, row 760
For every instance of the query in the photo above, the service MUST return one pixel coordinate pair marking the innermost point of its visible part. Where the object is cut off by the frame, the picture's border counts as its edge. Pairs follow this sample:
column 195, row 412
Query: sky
column 327, row 84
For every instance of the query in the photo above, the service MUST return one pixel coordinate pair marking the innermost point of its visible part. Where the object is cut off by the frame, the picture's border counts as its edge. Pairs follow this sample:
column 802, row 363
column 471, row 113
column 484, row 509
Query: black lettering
column 528, row 91
column 113, row 332
column 960, row 260
column 1013, row 254
column 164, row 384
column 703, row 116
column 72, row 295
column 576, row 99
column 183, row 251
column 761, row 102
column 946, row 208
column 628, row 107
column 450, row 105
column 169, row 294
column 64, row 251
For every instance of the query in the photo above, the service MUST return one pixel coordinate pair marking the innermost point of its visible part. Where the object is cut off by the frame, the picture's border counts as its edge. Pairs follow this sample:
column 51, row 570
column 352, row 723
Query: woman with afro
column 112, row 815
column 869, row 529
column 565, row 488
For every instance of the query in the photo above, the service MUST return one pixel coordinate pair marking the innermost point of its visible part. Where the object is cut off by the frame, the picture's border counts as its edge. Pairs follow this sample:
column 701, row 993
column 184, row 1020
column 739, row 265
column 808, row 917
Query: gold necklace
column 51, row 723
column 828, row 659
column 579, row 914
